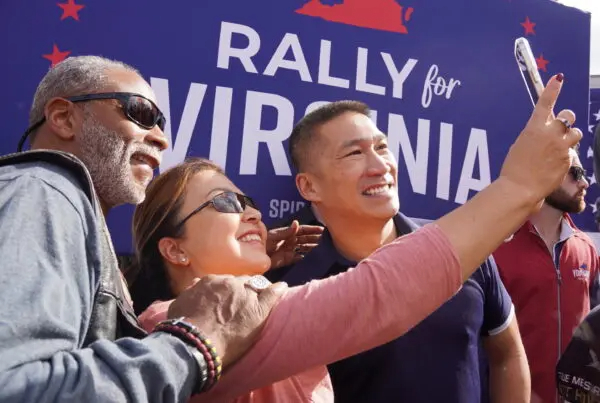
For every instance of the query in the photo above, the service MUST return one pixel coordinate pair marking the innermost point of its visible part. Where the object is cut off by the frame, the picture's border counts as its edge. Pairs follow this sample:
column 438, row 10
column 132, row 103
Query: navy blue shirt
column 437, row 361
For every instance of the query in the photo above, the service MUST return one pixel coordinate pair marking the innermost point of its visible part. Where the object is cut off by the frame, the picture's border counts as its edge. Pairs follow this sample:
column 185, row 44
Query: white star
column 594, row 208
column 591, row 128
column 590, row 153
column 597, row 115
column 592, row 179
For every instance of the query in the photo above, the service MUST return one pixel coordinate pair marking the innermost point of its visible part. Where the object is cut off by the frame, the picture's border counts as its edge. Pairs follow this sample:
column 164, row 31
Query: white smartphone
column 528, row 68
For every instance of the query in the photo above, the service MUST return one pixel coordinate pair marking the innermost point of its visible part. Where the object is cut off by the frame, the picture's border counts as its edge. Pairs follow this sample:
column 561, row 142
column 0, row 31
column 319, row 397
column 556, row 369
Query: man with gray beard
column 67, row 328
column 550, row 269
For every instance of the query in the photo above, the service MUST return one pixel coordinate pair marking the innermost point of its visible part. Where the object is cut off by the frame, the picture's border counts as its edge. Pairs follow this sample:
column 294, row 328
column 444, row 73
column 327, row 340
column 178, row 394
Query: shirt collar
column 319, row 261
column 403, row 224
column 566, row 231
column 567, row 228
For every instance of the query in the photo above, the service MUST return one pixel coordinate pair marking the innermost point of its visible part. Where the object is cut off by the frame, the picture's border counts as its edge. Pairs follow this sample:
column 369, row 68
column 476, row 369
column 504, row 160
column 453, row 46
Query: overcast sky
column 592, row 6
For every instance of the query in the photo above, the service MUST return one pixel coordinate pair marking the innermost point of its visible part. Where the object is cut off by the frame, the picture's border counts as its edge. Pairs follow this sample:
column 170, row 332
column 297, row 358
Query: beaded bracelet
column 191, row 336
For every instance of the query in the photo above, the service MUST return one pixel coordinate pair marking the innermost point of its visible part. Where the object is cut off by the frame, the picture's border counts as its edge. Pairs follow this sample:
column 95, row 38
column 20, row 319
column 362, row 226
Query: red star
column 528, row 25
column 56, row 56
column 541, row 63
column 70, row 9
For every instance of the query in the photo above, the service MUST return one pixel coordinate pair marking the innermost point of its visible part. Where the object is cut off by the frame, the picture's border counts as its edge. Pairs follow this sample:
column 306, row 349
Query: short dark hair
column 302, row 136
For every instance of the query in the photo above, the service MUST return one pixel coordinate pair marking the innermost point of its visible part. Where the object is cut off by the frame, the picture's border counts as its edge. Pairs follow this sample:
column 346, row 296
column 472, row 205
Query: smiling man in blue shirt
column 347, row 172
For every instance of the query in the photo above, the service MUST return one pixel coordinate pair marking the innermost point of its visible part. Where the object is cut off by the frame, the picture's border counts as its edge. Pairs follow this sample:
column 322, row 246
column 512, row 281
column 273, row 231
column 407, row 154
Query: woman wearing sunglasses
column 196, row 222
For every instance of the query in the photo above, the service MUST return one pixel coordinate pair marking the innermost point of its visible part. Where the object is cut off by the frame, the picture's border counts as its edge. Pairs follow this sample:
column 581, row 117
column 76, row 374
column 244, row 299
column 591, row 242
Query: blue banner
column 234, row 76
column 593, row 193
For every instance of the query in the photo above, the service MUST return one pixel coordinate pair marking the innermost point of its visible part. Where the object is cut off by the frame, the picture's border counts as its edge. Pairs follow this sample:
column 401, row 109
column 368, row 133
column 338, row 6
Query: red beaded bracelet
column 190, row 335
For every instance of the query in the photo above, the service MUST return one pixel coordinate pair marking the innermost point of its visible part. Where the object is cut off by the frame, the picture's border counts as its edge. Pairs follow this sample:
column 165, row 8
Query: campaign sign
column 233, row 77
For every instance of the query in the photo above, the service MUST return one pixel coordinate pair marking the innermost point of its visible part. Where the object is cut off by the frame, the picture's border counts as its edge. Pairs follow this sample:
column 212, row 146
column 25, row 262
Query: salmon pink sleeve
column 157, row 312
column 327, row 320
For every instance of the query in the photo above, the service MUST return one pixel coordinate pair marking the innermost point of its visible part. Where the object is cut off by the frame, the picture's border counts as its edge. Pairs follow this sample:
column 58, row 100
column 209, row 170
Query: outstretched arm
column 403, row 282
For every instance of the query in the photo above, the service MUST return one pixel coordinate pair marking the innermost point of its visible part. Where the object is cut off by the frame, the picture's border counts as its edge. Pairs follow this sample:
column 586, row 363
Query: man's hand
column 539, row 159
column 226, row 311
column 288, row 245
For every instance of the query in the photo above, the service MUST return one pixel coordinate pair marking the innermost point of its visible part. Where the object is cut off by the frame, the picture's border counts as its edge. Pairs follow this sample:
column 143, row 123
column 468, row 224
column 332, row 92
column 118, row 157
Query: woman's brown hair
column 157, row 217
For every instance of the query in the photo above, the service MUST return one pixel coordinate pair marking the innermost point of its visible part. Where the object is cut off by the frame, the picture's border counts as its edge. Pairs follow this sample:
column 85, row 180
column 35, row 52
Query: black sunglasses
column 226, row 202
column 577, row 173
column 137, row 108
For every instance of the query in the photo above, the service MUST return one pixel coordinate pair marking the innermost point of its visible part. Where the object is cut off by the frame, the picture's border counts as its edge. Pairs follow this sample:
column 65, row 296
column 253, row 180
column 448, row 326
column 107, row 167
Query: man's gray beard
column 107, row 158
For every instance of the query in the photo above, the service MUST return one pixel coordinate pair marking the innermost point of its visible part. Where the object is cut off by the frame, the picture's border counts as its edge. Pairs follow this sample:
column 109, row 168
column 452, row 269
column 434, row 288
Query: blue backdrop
column 594, row 119
column 234, row 76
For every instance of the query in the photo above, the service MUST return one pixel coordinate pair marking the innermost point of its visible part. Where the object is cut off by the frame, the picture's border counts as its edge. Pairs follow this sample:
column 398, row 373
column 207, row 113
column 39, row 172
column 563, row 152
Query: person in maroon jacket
column 549, row 268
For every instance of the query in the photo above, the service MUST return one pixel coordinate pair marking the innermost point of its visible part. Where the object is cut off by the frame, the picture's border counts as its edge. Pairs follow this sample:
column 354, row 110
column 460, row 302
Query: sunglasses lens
column 249, row 202
column 162, row 122
column 577, row 173
column 228, row 203
column 143, row 112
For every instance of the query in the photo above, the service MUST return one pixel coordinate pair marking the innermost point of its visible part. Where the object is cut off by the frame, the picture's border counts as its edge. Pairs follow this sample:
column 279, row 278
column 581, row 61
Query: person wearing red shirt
column 549, row 268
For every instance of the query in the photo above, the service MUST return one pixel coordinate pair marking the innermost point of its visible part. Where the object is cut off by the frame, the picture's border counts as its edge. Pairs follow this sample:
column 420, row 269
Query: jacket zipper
column 556, row 262
column 559, row 278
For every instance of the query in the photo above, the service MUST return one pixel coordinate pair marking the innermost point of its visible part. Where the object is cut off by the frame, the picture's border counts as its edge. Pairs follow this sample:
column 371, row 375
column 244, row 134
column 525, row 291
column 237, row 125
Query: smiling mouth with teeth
column 144, row 159
column 377, row 190
column 251, row 238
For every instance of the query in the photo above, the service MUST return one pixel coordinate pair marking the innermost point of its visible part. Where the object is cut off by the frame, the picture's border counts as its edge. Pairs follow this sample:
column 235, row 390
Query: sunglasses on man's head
column 226, row 202
column 577, row 173
column 137, row 108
